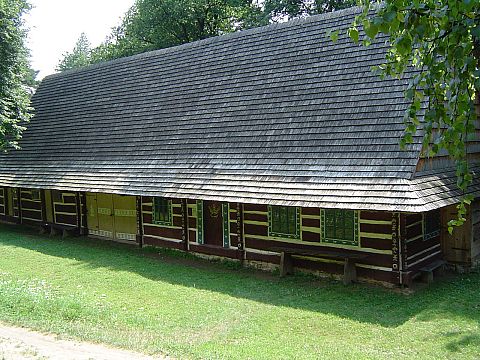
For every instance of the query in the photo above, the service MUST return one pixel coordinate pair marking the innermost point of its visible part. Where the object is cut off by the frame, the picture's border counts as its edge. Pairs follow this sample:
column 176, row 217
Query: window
column 162, row 211
column 284, row 221
column 431, row 224
column 35, row 195
column 340, row 226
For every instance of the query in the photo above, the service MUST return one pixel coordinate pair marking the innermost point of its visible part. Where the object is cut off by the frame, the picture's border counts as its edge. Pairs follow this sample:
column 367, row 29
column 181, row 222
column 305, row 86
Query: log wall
column 67, row 206
column 31, row 207
column 420, row 248
column 231, row 225
column 375, row 239
column 169, row 236
column 395, row 244
column 3, row 202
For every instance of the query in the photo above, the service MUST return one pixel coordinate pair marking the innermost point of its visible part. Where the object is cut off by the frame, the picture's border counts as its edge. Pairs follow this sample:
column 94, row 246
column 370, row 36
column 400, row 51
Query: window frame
column 35, row 198
column 168, row 221
column 280, row 234
column 434, row 233
column 328, row 240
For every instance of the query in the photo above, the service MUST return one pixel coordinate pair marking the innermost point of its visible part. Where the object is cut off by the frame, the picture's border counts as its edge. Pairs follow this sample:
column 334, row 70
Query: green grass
column 105, row 292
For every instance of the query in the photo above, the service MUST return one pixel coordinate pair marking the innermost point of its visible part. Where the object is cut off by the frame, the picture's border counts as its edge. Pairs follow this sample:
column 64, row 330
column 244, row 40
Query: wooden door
column 106, row 224
column 456, row 247
column 12, row 201
column 125, row 217
column 213, row 223
column 92, row 220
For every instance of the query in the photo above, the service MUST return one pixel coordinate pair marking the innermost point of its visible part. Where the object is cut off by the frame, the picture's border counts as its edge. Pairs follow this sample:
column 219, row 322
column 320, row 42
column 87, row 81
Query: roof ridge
column 213, row 39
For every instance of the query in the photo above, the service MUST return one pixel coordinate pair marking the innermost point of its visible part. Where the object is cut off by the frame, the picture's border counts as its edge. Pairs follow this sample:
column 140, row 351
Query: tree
column 154, row 24
column 79, row 57
column 280, row 10
column 440, row 40
column 14, row 70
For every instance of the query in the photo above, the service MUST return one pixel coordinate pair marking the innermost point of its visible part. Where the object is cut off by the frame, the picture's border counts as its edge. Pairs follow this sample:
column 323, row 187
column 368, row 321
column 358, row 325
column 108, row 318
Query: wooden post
column 84, row 221
column 140, row 220
column 6, row 203
column 79, row 212
column 44, row 226
column 349, row 271
column 19, row 204
column 44, row 206
column 286, row 264
column 240, row 233
column 403, row 254
column 185, row 233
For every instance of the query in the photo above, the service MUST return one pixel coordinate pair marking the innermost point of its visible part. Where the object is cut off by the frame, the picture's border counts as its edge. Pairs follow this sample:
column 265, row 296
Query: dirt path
column 20, row 344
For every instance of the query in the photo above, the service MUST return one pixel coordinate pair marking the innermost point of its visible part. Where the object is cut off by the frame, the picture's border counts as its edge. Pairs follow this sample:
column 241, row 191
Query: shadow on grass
column 457, row 341
column 457, row 296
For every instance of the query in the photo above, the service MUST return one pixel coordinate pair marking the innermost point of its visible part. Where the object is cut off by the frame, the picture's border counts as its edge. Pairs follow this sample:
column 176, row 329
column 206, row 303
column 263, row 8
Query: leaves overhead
column 79, row 57
column 153, row 24
column 157, row 24
column 15, row 74
column 440, row 41
column 290, row 9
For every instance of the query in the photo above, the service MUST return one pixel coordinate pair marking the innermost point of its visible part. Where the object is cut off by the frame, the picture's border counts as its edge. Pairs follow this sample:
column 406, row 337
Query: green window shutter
column 340, row 226
column 200, row 221
column 284, row 222
column 226, row 224
column 162, row 211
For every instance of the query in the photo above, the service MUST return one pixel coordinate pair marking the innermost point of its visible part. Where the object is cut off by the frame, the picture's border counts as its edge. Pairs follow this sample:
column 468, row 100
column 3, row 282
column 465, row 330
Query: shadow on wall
column 363, row 303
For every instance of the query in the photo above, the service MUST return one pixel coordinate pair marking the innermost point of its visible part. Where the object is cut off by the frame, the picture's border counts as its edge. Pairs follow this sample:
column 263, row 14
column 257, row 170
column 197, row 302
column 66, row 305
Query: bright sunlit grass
column 103, row 292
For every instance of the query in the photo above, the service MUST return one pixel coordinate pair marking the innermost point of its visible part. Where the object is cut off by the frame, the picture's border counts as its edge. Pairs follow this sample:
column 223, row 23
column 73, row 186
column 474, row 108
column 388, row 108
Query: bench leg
column 349, row 272
column 440, row 271
column 286, row 265
column 427, row 276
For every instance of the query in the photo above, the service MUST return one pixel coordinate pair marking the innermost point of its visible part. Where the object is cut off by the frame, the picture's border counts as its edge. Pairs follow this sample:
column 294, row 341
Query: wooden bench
column 56, row 229
column 427, row 271
column 350, row 259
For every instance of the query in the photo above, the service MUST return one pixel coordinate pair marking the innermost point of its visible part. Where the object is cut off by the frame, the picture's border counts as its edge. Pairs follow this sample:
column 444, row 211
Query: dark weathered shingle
column 278, row 114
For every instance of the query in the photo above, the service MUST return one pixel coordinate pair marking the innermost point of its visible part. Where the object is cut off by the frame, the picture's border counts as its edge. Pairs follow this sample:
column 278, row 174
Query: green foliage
column 289, row 9
column 14, row 72
column 79, row 57
column 153, row 24
column 440, row 40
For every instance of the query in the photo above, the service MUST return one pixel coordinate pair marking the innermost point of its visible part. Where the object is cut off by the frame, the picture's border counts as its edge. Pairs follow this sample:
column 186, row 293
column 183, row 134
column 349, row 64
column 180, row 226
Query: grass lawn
column 104, row 292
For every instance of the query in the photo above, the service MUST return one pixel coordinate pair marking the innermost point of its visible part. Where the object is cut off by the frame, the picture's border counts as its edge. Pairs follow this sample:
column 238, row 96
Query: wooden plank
column 185, row 224
column 31, row 204
column 166, row 232
column 31, row 214
column 259, row 217
column 255, row 207
column 162, row 242
column 375, row 215
column 64, row 219
column 310, row 223
column 376, row 228
column 310, row 211
column 308, row 236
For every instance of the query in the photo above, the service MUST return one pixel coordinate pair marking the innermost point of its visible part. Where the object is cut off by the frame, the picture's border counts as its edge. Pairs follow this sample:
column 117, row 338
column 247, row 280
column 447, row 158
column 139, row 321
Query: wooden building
column 269, row 146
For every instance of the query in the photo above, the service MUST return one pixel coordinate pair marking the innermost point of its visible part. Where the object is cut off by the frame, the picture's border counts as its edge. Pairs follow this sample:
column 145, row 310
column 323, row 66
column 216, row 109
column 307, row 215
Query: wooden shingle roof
column 278, row 114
